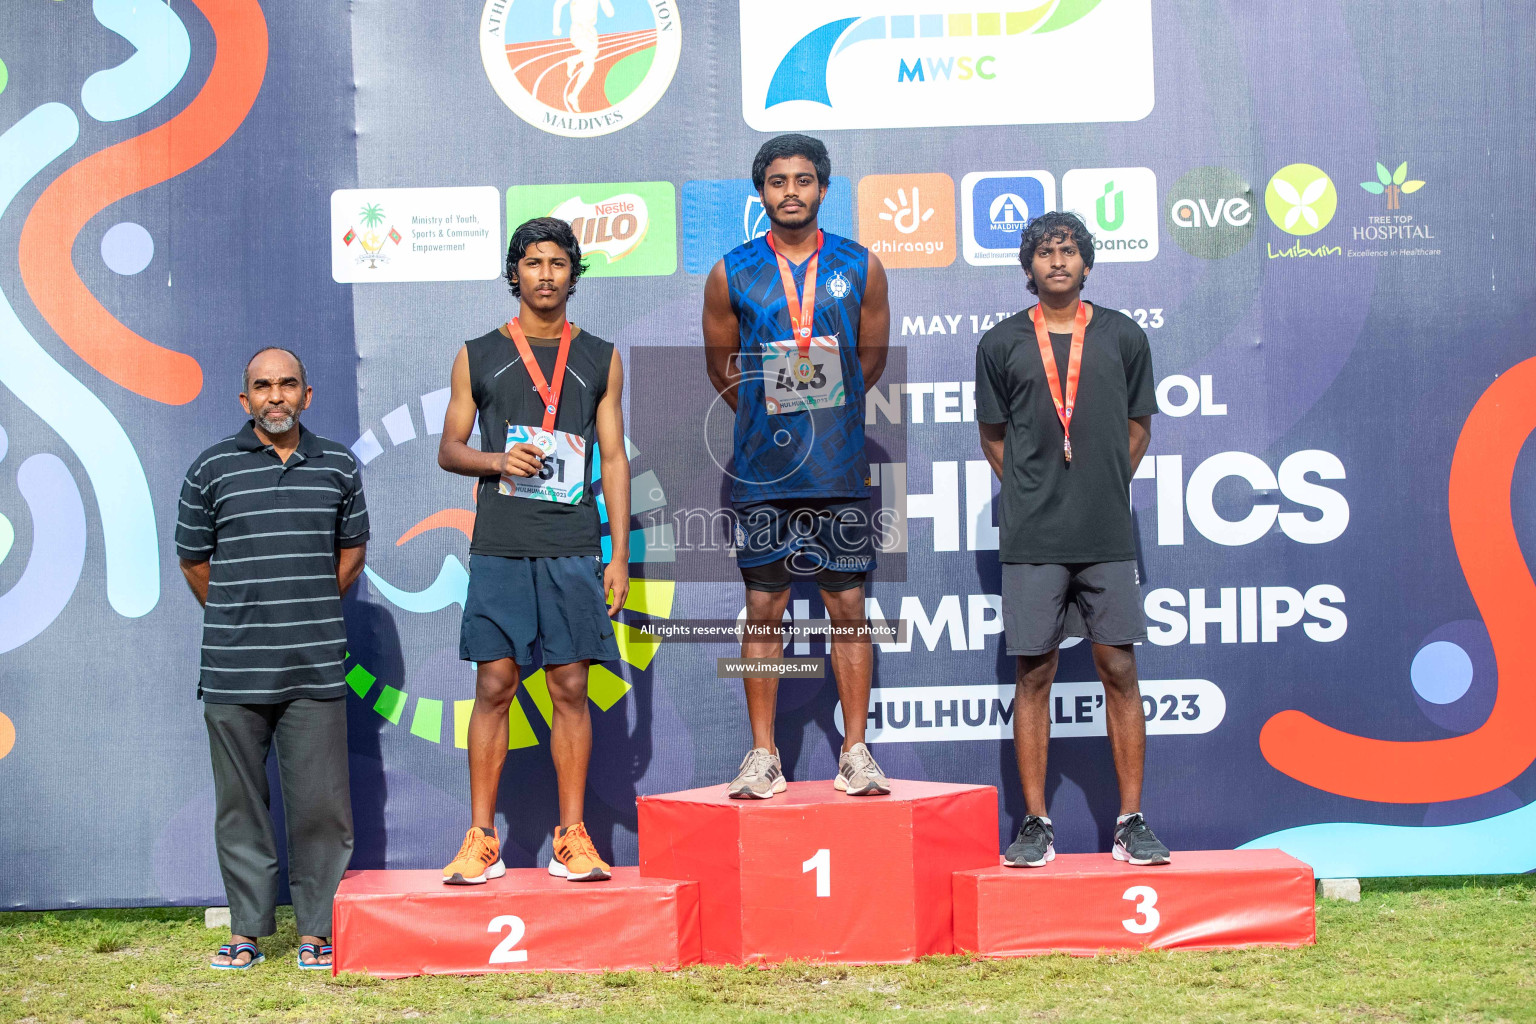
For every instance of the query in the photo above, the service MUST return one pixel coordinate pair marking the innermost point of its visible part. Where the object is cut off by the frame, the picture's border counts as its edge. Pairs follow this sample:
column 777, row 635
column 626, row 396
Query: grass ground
column 1411, row 950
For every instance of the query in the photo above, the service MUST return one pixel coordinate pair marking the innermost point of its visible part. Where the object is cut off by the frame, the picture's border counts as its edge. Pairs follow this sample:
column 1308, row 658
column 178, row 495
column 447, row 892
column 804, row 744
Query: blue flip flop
column 233, row 951
column 317, row 950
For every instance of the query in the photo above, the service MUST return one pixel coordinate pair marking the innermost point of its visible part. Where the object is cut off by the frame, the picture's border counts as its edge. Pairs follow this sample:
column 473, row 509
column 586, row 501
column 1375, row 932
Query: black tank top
column 514, row 527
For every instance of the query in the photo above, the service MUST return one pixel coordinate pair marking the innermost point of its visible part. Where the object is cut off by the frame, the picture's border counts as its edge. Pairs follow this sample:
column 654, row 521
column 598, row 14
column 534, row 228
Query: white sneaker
column 759, row 777
column 858, row 774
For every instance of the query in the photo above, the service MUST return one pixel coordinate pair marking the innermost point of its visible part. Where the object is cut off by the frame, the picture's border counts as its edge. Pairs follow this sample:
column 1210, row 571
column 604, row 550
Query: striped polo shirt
column 272, row 628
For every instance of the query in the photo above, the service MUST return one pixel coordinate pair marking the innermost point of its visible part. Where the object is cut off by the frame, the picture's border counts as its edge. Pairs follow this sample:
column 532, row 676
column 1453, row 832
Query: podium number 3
column 1147, row 917
column 504, row 953
column 822, row 865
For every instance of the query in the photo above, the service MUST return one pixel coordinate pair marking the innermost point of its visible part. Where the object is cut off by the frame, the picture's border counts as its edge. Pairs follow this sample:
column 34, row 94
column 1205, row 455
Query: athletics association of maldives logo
column 580, row 68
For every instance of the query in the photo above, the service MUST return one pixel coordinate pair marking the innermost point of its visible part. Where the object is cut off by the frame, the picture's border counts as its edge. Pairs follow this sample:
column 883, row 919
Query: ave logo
column 1212, row 213
column 919, row 64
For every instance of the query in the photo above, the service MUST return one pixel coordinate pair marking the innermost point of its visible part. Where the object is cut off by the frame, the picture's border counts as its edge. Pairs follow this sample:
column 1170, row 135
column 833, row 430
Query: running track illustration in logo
column 802, row 74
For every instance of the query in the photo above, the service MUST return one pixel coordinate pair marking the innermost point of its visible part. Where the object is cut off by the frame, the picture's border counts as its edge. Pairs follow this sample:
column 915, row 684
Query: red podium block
column 393, row 924
column 814, row 874
column 1082, row 903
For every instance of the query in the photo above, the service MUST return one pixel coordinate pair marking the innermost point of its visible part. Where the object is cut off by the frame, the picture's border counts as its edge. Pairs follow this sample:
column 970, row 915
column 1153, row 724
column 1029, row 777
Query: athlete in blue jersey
column 796, row 326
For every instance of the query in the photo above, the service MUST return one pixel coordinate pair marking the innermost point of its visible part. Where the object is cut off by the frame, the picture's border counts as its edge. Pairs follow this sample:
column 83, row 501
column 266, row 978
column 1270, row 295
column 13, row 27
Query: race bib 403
column 793, row 384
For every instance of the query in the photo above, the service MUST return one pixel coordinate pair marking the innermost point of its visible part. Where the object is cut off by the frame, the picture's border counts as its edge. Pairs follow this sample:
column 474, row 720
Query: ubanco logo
column 950, row 68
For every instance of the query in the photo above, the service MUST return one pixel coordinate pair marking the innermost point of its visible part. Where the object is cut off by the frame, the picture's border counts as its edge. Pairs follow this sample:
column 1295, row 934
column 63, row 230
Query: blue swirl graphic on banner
column 1503, row 844
column 66, row 405
column 58, row 551
column 138, row 83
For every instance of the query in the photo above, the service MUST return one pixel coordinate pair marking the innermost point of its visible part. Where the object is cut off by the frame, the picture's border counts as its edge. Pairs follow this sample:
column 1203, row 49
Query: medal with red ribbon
column 802, row 308
column 550, row 393
column 1065, row 405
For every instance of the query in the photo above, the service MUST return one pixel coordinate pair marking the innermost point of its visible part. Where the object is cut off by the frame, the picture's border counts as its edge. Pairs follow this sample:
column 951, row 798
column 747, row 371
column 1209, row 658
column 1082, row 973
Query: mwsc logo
column 580, row 68
column 906, row 64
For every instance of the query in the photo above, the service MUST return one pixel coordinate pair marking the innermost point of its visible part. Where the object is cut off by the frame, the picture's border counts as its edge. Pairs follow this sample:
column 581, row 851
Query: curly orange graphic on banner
column 1483, row 527
column 93, row 184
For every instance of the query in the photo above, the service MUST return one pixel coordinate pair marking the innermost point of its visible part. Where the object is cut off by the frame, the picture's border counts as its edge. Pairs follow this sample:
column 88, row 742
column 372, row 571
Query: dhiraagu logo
column 909, row 64
column 416, row 588
column 1301, row 199
column 626, row 229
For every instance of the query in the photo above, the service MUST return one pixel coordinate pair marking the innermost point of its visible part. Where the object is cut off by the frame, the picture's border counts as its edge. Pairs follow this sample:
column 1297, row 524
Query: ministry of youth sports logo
column 580, row 68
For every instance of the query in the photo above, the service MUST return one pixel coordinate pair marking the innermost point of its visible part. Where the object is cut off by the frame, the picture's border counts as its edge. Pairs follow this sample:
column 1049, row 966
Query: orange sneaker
column 479, row 859
column 575, row 858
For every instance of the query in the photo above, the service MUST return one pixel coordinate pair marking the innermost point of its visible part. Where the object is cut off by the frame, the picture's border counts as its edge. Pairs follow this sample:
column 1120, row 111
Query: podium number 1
column 822, row 865
column 1147, row 917
column 504, row 953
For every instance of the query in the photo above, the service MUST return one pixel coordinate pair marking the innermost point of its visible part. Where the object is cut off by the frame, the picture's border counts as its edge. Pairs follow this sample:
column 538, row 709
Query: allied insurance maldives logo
column 914, row 64
column 580, row 68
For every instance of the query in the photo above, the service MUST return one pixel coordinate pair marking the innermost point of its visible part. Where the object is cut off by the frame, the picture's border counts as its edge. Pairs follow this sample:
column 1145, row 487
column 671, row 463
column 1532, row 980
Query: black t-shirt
column 505, row 524
column 1053, row 512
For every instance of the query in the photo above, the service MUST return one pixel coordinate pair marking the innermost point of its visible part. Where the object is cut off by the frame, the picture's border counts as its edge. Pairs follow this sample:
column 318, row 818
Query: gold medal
column 805, row 370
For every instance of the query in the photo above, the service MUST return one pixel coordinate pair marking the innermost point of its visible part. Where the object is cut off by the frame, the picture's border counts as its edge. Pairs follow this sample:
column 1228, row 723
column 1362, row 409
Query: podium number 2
column 822, row 865
column 1147, row 917
column 504, row 953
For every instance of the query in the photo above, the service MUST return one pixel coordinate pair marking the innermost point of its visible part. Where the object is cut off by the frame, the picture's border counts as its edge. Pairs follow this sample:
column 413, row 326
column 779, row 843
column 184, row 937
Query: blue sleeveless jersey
column 809, row 454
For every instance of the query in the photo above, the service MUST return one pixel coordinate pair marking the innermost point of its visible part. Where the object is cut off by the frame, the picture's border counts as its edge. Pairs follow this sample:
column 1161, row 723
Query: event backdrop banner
column 1319, row 211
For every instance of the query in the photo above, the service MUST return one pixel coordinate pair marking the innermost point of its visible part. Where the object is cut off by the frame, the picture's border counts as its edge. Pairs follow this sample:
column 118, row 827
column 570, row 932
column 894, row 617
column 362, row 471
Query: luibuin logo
column 626, row 229
column 1300, row 199
column 580, row 68
column 1394, row 185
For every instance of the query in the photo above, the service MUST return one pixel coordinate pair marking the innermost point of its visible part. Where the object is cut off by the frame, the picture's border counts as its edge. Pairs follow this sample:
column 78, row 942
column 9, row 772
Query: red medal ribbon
column 802, row 309
column 549, row 393
column 1074, row 369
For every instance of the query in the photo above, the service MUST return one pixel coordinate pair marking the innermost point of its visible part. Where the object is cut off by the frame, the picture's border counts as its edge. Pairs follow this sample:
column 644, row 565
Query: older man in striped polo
column 271, row 531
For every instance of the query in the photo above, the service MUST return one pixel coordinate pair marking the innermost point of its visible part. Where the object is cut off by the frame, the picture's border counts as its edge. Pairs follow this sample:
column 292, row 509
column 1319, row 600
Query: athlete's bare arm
column 722, row 336
column 992, row 444
column 874, row 323
column 454, row 453
column 1141, row 436
column 615, row 461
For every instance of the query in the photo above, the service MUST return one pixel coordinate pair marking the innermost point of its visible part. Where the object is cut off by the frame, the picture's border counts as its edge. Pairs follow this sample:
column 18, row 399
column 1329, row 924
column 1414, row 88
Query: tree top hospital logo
column 912, row 64
column 580, row 68
column 1301, row 199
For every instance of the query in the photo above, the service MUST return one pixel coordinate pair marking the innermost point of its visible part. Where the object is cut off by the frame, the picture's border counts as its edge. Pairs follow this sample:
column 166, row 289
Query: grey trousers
column 311, row 739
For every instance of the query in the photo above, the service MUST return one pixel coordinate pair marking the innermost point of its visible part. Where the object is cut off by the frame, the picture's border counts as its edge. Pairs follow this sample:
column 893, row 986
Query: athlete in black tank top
column 546, row 394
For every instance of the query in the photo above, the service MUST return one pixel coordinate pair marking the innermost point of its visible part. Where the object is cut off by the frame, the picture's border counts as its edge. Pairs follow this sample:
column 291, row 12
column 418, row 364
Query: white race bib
column 788, row 386
column 563, row 476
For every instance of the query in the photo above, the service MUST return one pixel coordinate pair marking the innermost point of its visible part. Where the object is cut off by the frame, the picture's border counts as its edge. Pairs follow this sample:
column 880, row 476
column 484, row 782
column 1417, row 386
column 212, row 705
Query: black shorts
column 1045, row 604
column 829, row 540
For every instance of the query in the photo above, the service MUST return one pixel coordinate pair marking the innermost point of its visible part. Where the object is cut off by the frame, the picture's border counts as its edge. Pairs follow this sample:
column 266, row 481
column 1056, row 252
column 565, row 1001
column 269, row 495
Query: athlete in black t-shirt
column 1064, row 401
column 544, row 392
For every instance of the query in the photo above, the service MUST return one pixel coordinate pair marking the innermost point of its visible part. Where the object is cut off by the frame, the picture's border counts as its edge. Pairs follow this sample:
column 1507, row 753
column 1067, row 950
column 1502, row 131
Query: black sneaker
column 1033, row 848
column 1135, row 842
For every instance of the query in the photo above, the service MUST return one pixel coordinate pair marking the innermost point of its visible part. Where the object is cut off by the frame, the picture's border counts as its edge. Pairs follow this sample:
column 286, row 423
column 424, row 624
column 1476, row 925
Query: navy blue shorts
column 557, row 601
column 830, row 540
